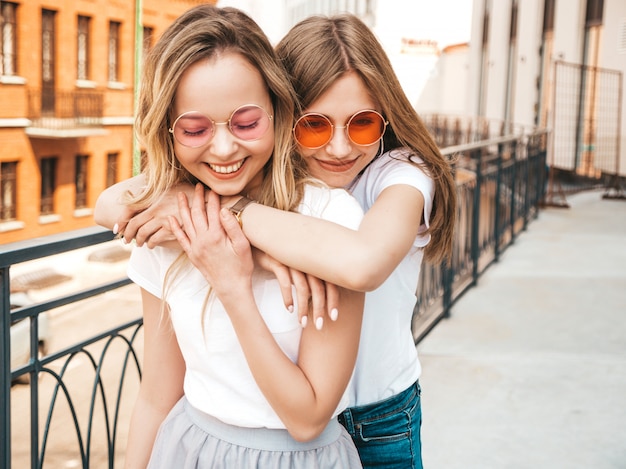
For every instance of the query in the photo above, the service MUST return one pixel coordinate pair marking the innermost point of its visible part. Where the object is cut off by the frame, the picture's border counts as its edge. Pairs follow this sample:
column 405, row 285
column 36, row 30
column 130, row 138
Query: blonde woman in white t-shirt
column 230, row 377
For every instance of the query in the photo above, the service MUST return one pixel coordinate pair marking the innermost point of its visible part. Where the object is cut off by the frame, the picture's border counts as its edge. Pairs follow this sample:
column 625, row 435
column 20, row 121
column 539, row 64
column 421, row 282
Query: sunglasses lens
column 249, row 123
column 313, row 130
column 193, row 129
column 366, row 127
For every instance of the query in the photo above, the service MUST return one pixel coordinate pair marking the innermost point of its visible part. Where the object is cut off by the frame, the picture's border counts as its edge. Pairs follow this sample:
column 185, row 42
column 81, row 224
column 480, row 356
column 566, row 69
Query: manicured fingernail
column 319, row 322
column 116, row 228
column 290, row 308
column 303, row 321
column 334, row 314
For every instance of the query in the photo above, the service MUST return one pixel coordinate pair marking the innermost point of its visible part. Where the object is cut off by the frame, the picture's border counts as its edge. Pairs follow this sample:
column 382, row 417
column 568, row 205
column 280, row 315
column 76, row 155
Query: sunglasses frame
column 215, row 124
column 346, row 126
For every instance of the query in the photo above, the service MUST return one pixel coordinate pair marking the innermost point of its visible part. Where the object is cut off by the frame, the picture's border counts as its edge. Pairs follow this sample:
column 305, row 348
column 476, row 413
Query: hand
column 152, row 225
column 311, row 292
column 215, row 244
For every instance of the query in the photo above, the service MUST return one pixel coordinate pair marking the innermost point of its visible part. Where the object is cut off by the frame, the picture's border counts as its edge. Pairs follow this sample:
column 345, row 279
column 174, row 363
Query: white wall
column 569, row 25
column 613, row 56
column 528, row 58
column 447, row 89
column 498, row 59
column 475, row 57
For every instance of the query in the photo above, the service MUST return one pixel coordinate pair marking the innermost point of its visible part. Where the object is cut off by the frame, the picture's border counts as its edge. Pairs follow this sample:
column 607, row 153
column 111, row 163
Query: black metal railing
column 60, row 395
column 62, row 110
column 500, row 184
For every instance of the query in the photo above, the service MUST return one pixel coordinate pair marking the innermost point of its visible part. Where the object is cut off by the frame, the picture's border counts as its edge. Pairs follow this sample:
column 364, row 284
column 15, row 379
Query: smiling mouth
column 337, row 166
column 226, row 169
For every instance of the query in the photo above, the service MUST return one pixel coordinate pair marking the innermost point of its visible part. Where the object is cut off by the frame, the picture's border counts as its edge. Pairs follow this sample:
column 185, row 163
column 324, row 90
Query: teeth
column 226, row 169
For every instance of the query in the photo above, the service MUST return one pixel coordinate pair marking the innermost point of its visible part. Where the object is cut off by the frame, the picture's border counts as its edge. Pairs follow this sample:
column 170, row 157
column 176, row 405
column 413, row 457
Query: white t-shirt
column 387, row 362
column 218, row 380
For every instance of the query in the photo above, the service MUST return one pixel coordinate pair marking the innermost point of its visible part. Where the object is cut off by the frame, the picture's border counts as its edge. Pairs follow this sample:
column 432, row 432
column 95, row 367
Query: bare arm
column 150, row 226
column 358, row 260
column 303, row 394
column 110, row 209
column 161, row 383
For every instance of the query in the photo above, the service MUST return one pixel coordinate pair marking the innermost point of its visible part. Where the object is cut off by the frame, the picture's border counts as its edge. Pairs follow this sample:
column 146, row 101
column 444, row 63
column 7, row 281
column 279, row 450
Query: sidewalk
column 530, row 369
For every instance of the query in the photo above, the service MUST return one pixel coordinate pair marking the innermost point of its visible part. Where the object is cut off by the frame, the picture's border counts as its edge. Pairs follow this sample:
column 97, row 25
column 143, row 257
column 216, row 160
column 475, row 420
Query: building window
column 112, row 159
column 8, row 39
column 593, row 16
column 48, row 65
column 485, row 39
column 83, row 40
column 548, row 16
column 513, row 26
column 48, row 185
column 114, row 47
column 8, row 190
column 81, row 181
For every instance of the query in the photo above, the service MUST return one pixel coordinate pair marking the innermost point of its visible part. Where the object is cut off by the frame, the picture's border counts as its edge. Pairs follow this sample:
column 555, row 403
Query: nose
column 340, row 145
column 223, row 143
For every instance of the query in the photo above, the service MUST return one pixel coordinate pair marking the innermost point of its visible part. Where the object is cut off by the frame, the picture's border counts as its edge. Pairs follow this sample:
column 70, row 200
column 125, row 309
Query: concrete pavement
column 530, row 369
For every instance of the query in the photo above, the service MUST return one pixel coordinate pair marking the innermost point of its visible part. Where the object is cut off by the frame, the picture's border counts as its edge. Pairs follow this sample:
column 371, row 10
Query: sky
column 417, row 19
column 424, row 19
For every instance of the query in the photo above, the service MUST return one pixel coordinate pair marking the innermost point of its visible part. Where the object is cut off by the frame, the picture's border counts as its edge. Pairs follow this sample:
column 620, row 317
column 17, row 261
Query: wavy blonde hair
column 200, row 33
column 319, row 50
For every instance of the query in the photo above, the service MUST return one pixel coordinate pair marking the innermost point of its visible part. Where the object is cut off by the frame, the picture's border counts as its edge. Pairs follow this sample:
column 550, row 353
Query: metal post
column 5, row 372
column 496, row 219
column 476, row 156
column 138, row 59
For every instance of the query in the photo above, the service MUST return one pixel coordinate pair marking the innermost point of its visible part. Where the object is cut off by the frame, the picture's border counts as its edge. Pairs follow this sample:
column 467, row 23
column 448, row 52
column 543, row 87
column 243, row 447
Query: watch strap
column 238, row 208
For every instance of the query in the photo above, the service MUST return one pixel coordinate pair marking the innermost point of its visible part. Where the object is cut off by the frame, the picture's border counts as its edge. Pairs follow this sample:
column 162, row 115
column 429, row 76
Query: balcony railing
column 500, row 185
column 64, row 110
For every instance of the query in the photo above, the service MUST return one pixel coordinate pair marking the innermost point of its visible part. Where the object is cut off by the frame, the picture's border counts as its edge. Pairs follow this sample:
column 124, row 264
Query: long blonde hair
column 319, row 50
column 200, row 33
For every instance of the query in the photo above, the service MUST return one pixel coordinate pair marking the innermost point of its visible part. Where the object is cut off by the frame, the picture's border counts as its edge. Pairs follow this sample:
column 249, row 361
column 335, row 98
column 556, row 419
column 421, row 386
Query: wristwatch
column 239, row 207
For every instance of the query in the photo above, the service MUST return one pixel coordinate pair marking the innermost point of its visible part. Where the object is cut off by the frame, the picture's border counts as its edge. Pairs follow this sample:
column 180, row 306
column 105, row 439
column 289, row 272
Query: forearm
column 357, row 260
column 145, row 422
column 161, row 382
column 110, row 206
column 303, row 398
column 324, row 249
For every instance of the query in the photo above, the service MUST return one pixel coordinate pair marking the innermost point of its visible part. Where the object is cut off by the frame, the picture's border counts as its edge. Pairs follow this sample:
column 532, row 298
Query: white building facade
column 524, row 54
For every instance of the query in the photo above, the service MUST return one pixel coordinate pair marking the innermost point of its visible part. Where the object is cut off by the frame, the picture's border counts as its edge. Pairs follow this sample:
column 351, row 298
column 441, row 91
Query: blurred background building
column 67, row 80
column 68, row 74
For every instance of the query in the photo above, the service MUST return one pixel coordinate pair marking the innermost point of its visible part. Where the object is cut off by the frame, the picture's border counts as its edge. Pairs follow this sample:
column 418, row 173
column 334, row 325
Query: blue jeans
column 387, row 433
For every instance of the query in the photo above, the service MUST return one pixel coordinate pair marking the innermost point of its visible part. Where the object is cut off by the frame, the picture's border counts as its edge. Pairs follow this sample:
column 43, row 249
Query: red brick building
column 67, row 74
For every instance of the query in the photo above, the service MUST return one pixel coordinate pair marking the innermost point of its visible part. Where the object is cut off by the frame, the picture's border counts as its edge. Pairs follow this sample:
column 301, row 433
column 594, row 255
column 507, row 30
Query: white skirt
column 190, row 439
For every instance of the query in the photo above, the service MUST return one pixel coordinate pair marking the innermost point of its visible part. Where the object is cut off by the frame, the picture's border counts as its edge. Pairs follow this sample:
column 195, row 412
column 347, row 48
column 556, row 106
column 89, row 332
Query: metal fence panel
column 586, row 124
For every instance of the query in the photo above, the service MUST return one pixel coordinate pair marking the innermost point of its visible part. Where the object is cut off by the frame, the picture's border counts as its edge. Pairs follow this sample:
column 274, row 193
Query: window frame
column 48, row 167
column 113, row 52
column 81, row 181
column 8, row 191
column 8, row 28
column 111, row 171
column 83, row 46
